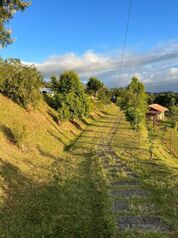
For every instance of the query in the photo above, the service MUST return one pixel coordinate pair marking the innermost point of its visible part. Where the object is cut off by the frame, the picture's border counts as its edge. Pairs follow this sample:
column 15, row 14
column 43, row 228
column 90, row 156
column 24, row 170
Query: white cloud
column 157, row 68
column 173, row 72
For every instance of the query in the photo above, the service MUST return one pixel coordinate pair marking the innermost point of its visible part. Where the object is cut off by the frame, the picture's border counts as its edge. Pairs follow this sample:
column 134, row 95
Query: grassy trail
column 103, row 185
column 144, row 192
column 135, row 205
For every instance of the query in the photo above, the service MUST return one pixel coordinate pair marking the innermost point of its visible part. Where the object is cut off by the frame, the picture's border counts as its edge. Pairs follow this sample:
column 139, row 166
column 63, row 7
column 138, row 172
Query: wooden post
column 171, row 142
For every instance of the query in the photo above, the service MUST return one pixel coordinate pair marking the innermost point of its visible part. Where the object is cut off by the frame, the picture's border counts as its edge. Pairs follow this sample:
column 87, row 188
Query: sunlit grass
column 159, row 176
column 46, row 190
column 57, row 185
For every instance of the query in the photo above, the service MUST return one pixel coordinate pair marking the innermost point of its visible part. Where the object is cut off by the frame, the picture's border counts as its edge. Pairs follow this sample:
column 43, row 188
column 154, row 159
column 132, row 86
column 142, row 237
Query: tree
column 104, row 95
column 7, row 10
column 94, row 85
column 20, row 82
column 54, row 83
column 135, row 103
column 167, row 99
column 70, row 98
column 151, row 98
column 118, row 96
column 134, row 116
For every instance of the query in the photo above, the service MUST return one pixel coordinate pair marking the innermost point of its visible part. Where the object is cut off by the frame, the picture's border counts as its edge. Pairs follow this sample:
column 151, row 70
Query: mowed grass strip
column 158, row 176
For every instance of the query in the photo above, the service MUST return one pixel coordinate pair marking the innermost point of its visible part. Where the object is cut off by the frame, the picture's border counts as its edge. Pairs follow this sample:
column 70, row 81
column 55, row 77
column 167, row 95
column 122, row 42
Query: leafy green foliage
column 151, row 98
column 135, row 103
column 134, row 116
column 104, row 95
column 70, row 98
column 93, row 86
column 174, row 116
column 119, row 96
column 7, row 10
column 167, row 99
column 20, row 82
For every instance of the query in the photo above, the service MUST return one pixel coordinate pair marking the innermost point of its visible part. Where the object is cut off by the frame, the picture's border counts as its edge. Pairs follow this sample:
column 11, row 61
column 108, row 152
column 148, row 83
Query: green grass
column 47, row 191
column 168, row 137
column 56, row 185
column 159, row 176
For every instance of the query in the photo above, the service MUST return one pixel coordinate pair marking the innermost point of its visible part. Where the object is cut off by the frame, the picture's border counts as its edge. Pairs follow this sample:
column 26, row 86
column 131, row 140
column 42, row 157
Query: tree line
column 71, row 98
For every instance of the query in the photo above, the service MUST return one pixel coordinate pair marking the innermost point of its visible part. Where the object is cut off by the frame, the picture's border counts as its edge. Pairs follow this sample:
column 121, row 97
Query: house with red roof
column 157, row 112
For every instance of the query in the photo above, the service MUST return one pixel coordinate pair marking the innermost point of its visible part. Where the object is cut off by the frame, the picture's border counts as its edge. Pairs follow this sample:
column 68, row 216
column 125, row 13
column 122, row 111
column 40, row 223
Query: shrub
column 21, row 83
column 19, row 135
column 70, row 99
column 134, row 116
column 135, row 103
column 104, row 95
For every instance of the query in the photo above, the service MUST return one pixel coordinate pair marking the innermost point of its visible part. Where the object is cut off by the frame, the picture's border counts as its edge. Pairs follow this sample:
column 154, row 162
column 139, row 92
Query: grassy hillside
column 61, row 183
column 44, row 142
column 45, row 189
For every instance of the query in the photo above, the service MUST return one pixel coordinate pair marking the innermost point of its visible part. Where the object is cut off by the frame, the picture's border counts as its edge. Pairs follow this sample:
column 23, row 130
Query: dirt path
column 130, row 202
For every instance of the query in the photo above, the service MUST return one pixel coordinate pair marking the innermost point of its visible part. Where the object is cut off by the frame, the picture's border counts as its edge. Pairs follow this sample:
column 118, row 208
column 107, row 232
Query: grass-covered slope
column 43, row 142
column 58, row 184
column 48, row 189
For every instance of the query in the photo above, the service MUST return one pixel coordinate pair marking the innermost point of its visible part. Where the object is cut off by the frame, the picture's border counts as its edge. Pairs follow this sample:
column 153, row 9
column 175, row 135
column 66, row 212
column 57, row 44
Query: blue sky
column 85, row 31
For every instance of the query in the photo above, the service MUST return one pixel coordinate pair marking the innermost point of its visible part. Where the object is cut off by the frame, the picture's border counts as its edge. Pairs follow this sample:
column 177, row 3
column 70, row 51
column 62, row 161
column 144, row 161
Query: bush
column 21, row 83
column 135, row 116
column 104, row 95
column 19, row 135
column 70, row 99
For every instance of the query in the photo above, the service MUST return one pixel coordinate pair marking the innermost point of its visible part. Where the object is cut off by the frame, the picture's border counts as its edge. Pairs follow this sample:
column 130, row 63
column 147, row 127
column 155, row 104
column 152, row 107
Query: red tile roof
column 158, row 107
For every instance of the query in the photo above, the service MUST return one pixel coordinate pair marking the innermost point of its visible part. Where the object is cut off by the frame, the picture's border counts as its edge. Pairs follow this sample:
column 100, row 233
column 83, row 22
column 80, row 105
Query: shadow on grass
column 93, row 118
column 7, row 131
column 106, row 113
column 57, row 138
column 96, row 125
column 46, row 154
column 85, row 121
column 54, row 125
column 74, row 123
column 73, row 133
column 69, row 146
column 69, row 205
column 110, row 122
column 54, row 117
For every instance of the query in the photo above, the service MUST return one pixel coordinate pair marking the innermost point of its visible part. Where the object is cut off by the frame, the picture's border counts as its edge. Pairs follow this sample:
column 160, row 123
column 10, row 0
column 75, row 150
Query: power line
column 125, row 38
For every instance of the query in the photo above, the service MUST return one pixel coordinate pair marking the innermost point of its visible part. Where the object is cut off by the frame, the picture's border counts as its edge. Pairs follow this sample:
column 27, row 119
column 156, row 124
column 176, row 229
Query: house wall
column 161, row 116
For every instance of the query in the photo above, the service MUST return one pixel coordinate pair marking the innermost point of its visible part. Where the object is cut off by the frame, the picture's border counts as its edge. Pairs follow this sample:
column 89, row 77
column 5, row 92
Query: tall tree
column 70, row 98
column 7, row 10
column 94, row 85
column 135, row 103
